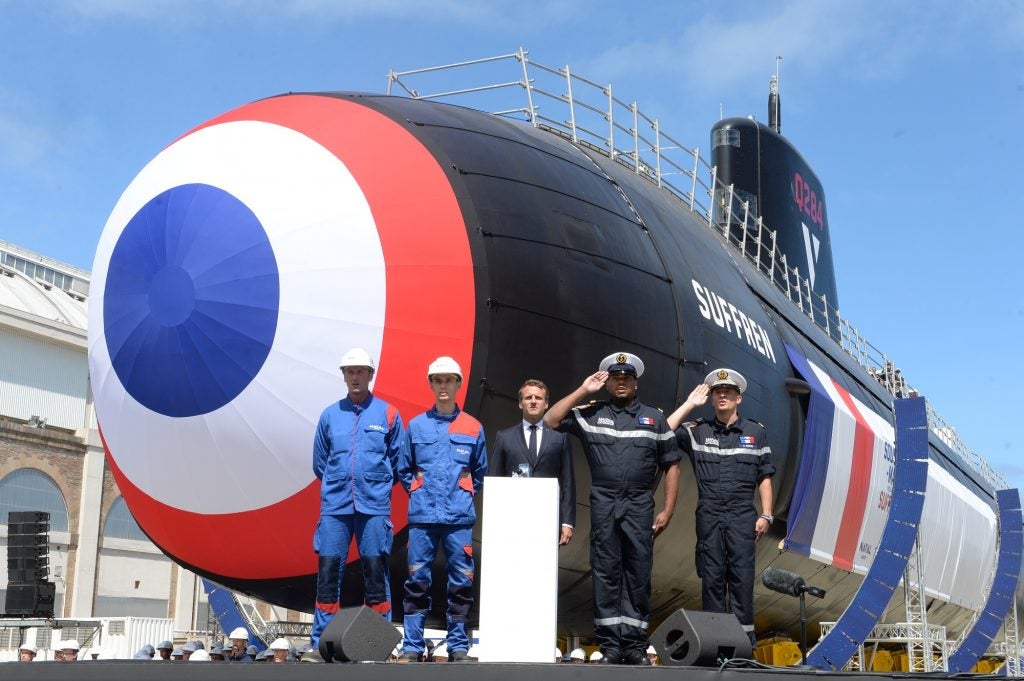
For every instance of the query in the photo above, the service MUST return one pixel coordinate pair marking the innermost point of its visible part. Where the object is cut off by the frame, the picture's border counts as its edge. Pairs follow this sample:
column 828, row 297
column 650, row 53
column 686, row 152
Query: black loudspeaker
column 32, row 573
column 693, row 638
column 358, row 635
column 34, row 600
column 28, row 517
column 28, row 546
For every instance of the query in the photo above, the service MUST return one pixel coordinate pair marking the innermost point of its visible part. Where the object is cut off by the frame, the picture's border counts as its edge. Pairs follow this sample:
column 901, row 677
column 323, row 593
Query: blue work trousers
column 374, row 536
column 424, row 541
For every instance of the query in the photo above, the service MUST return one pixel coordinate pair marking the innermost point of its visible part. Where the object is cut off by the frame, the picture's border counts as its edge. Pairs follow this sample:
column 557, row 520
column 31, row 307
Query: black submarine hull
column 574, row 255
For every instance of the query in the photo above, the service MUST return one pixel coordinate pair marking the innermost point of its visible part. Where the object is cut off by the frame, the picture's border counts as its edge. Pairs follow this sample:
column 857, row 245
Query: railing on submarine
column 589, row 114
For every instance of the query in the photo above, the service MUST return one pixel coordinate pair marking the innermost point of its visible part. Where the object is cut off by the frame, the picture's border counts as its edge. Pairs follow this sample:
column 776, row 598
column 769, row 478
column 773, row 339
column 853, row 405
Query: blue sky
column 910, row 112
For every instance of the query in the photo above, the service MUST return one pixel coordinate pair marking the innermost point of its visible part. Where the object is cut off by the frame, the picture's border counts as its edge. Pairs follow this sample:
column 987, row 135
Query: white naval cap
column 727, row 377
column 622, row 363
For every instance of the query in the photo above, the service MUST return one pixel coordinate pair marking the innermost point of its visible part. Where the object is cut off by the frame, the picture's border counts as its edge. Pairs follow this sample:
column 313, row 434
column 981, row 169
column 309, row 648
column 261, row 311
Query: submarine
column 252, row 251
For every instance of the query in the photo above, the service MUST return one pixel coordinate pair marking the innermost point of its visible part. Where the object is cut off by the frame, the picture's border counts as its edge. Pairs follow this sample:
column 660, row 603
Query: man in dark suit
column 531, row 448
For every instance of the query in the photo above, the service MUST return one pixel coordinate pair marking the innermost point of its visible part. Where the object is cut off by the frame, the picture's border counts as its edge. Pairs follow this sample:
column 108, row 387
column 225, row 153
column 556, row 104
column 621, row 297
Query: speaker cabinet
column 358, row 635
column 693, row 638
column 34, row 600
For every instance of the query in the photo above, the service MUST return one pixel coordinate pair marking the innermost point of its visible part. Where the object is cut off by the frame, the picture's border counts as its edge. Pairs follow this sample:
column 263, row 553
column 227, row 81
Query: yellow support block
column 882, row 661
column 781, row 654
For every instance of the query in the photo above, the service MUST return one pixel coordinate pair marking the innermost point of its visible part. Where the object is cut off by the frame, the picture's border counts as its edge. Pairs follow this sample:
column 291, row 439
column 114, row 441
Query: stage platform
column 133, row 670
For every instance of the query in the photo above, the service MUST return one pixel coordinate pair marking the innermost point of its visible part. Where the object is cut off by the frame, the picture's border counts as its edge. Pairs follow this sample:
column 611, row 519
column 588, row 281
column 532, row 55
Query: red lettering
column 807, row 200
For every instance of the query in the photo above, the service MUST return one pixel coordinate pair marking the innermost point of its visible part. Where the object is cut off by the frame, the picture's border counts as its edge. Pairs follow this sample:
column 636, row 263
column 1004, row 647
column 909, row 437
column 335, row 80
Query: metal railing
column 588, row 114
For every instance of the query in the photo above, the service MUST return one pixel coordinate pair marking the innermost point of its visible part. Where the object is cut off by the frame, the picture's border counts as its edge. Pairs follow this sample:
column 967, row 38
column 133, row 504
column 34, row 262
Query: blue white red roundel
column 234, row 272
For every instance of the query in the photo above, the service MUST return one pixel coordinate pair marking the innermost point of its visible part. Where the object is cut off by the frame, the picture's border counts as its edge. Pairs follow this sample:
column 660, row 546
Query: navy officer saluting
column 731, row 459
column 627, row 444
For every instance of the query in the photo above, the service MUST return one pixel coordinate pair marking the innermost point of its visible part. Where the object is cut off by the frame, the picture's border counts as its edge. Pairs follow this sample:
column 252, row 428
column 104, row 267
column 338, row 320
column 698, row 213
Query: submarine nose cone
column 230, row 274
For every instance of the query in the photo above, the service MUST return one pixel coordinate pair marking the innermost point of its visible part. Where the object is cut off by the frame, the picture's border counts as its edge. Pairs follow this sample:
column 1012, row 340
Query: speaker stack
column 28, row 565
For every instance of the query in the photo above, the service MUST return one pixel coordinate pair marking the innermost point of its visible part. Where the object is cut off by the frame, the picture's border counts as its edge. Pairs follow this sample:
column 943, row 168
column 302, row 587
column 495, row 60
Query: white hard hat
column 239, row 632
column 651, row 650
column 577, row 654
column 596, row 656
column 199, row 656
column 444, row 365
column 356, row 357
column 558, row 654
column 280, row 644
column 31, row 649
column 69, row 644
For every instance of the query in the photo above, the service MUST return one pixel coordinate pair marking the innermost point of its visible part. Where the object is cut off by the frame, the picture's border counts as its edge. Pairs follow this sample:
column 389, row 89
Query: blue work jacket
column 356, row 451
column 443, row 467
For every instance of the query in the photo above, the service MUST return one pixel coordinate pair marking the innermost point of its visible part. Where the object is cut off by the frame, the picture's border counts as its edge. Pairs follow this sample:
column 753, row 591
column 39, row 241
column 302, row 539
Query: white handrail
column 721, row 212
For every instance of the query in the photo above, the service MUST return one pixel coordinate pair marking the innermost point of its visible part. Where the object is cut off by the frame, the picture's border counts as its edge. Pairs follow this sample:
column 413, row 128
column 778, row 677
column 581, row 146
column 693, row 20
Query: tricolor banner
column 844, row 483
column 843, row 493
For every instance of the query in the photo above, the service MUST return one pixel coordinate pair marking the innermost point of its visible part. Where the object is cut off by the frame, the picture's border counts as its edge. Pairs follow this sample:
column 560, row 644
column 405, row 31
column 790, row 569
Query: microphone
column 784, row 581
column 789, row 583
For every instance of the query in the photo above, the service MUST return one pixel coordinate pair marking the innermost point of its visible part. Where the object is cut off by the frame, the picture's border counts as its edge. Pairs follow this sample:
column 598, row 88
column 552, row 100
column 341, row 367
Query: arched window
column 120, row 524
column 27, row 489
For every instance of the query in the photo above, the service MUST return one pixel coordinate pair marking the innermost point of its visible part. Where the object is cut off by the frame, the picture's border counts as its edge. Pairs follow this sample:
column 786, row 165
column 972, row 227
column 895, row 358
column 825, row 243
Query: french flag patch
column 646, row 421
column 747, row 441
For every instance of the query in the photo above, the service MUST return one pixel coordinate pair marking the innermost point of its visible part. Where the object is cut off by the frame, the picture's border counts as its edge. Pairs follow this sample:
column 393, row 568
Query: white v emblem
column 812, row 251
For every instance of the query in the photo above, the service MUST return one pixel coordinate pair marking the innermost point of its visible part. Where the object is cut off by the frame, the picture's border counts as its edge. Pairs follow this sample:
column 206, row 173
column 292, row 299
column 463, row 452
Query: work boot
column 611, row 656
column 635, row 657
column 409, row 656
column 459, row 656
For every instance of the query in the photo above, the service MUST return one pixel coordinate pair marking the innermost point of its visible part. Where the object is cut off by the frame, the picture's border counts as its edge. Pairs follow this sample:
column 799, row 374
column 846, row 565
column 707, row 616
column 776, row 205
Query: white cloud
column 723, row 50
column 199, row 12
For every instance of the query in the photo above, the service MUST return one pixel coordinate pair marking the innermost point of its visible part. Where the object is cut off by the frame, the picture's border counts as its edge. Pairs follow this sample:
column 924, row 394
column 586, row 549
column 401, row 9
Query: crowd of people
column 236, row 649
column 362, row 448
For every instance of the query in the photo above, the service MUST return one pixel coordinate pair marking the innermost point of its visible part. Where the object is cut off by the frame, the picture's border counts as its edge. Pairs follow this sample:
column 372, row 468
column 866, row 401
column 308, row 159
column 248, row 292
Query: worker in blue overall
column 356, row 449
column 443, row 468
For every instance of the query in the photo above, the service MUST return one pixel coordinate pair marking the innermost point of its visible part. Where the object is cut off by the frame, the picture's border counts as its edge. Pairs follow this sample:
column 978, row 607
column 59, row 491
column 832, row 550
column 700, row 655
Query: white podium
column 519, row 571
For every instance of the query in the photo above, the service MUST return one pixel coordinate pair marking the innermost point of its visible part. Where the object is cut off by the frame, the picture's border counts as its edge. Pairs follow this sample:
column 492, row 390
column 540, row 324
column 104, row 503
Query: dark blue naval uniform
column 626, row 448
column 728, row 462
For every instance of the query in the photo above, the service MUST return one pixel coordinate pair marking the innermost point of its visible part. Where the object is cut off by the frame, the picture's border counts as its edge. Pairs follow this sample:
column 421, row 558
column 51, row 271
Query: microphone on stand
column 783, row 581
column 789, row 583
column 792, row 584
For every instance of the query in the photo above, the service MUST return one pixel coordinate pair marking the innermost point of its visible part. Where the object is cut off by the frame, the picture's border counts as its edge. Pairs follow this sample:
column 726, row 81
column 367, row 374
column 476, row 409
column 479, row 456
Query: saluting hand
column 595, row 381
column 699, row 395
